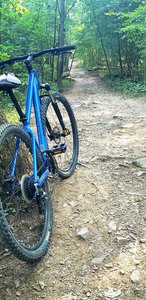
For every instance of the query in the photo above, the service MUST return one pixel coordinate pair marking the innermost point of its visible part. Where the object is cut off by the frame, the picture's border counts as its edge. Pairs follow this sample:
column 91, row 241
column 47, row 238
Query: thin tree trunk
column 61, row 43
column 104, row 51
column 71, row 62
column 119, row 53
column 66, row 63
column 0, row 21
column 145, row 63
column 125, row 51
column 101, row 38
column 92, row 60
column 54, row 40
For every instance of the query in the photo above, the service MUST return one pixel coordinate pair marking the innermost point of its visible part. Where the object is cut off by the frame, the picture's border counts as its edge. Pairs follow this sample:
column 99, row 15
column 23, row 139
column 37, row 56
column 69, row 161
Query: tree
column 64, row 11
column 61, row 39
column 111, row 36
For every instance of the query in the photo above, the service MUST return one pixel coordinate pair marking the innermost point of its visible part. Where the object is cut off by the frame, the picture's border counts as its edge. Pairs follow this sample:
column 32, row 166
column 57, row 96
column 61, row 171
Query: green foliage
column 67, row 83
column 127, row 86
column 110, row 35
column 27, row 27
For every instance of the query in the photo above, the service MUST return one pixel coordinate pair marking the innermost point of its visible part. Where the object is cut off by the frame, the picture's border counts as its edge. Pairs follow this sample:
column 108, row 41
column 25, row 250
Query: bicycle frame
column 33, row 98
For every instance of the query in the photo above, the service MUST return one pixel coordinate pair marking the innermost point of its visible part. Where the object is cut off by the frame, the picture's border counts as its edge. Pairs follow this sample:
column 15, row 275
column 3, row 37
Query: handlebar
column 57, row 50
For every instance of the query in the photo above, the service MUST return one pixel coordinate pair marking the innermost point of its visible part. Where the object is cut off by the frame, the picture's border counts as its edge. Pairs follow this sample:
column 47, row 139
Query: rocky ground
column 98, row 248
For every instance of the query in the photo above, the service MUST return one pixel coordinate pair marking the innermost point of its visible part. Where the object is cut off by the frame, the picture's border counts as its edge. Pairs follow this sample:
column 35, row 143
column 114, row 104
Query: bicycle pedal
column 58, row 149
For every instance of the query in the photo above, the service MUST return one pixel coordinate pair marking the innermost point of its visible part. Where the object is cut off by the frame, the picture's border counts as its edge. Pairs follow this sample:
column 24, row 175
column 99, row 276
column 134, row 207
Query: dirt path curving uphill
column 106, row 196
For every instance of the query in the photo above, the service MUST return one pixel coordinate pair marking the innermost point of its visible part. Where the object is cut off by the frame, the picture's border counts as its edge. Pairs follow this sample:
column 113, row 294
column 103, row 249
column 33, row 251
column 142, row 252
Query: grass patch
column 12, row 116
column 67, row 83
column 9, row 110
column 126, row 86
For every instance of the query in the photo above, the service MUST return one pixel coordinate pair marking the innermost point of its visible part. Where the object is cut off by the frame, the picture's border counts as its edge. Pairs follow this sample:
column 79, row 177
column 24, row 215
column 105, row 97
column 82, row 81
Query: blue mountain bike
column 27, row 161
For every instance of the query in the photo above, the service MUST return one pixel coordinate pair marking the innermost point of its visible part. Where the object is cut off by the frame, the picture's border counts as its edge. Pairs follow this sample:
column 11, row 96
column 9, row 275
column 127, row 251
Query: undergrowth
column 126, row 86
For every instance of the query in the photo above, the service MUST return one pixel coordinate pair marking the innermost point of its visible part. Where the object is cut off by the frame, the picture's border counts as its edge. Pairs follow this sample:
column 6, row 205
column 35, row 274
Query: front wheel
column 62, row 132
column 25, row 217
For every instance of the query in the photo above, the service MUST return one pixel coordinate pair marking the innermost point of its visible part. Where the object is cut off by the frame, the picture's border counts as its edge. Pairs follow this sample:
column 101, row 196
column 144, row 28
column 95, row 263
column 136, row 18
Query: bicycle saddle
column 8, row 81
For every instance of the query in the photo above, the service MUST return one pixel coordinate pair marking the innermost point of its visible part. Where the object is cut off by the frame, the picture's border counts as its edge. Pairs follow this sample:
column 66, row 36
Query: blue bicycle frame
column 34, row 98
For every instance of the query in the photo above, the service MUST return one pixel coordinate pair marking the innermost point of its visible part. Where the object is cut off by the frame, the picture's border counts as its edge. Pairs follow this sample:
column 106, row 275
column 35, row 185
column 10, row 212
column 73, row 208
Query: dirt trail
column 106, row 195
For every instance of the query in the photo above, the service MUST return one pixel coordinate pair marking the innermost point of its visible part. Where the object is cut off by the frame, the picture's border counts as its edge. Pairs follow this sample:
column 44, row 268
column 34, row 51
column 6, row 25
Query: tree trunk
column 101, row 38
column 0, row 20
column 104, row 51
column 61, row 43
column 71, row 62
column 127, row 59
column 54, row 40
column 119, row 53
column 145, row 63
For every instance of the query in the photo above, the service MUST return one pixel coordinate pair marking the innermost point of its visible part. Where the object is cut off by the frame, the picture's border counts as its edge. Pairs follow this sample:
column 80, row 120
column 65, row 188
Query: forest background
column 110, row 36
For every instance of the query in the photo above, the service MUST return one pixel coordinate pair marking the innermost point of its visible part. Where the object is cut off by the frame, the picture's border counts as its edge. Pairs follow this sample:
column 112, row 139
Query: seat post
column 17, row 106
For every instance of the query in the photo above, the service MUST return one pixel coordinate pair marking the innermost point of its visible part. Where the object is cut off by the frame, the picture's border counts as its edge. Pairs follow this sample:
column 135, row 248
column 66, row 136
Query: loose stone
column 41, row 284
column 135, row 276
column 98, row 260
column 111, row 293
column 112, row 225
column 82, row 233
column 17, row 283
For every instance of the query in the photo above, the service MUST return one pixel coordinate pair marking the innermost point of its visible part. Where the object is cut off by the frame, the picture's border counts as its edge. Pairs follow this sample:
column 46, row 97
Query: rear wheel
column 25, row 217
column 62, row 134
